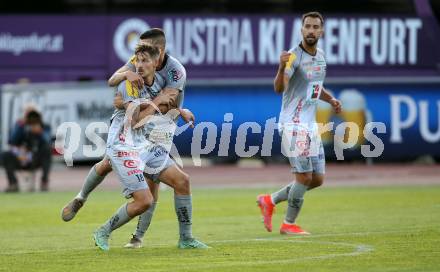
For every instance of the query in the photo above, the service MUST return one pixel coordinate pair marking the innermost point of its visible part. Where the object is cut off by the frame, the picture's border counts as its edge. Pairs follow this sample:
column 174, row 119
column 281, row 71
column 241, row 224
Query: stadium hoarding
column 221, row 46
column 249, row 46
column 410, row 115
column 52, row 48
column 85, row 104
column 53, row 41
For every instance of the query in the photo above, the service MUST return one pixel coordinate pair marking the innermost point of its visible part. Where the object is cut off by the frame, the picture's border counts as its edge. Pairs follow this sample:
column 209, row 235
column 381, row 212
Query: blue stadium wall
column 410, row 112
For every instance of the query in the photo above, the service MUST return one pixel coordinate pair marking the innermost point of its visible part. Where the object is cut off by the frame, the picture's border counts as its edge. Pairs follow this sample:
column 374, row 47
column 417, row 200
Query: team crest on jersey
column 175, row 75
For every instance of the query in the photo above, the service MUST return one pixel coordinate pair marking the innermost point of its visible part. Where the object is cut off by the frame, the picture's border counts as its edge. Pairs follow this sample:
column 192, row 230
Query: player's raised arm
column 282, row 76
column 118, row 76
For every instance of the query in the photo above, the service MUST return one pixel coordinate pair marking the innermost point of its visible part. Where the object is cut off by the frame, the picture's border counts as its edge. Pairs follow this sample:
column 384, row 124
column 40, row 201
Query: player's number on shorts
column 140, row 177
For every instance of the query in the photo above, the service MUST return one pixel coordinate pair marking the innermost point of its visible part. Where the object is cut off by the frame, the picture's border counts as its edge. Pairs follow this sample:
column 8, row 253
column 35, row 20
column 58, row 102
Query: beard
column 311, row 41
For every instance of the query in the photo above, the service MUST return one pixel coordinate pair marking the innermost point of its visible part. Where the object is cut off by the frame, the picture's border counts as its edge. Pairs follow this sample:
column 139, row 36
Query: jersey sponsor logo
column 316, row 89
column 175, row 75
column 128, row 154
column 303, row 145
column 134, row 172
column 158, row 151
column 303, row 133
column 131, row 163
column 307, row 65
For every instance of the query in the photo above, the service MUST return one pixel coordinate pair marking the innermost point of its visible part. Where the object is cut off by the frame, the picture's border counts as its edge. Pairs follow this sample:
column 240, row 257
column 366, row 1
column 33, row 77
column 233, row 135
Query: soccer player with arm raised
column 300, row 79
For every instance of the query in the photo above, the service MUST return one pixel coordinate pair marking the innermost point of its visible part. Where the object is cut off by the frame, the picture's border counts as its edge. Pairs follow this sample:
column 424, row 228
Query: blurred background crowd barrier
column 384, row 66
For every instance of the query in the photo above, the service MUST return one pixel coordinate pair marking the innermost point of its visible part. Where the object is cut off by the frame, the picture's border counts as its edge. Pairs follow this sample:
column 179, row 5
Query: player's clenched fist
column 284, row 58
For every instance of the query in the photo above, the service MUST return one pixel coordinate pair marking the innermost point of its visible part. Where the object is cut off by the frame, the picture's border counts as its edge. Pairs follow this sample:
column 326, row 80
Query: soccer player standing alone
column 300, row 79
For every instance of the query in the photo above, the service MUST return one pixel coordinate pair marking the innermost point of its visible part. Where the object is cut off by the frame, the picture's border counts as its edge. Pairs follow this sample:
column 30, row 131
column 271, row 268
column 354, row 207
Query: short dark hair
column 313, row 14
column 33, row 117
column 153, row 51
column 156, row 35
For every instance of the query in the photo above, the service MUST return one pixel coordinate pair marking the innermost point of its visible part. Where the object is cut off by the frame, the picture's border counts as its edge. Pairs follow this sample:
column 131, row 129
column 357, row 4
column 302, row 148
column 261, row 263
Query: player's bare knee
column 146, row 203
column 141, row 205
column 182, row 185
column 317, row 181
column 304, row 178
column 142, row 200
column 103, row 167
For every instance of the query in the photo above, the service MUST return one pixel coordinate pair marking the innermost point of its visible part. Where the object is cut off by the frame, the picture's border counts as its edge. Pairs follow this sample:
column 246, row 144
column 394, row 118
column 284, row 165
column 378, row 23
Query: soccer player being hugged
column 300, row 79
column 170, row 78
column 127, row 147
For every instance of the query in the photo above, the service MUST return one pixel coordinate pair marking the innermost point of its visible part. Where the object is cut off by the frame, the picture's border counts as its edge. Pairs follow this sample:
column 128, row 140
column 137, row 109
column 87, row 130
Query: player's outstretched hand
column 135, row 79
column 336, row 104
column 187, row 116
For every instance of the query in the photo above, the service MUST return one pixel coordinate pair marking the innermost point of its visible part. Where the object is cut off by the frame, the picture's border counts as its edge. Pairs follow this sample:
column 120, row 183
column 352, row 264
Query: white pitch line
column 358, row 250
column 224, row 241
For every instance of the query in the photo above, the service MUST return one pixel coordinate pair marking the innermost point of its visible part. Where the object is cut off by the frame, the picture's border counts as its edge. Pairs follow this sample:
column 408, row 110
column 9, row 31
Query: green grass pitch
column 353, row 229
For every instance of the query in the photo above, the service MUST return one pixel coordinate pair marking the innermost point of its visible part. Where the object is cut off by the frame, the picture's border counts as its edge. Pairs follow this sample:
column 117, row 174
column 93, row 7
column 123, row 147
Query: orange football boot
column 292, row 229
column 267, row 209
